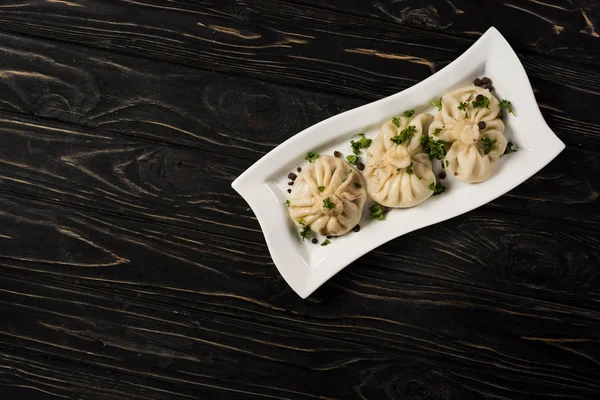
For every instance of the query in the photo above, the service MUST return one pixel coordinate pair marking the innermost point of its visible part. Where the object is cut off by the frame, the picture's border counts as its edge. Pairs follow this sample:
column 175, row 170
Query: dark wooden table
column 131, row 270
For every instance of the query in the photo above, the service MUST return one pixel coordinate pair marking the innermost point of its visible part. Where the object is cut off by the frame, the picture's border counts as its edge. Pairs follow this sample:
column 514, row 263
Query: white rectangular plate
column 306, row 266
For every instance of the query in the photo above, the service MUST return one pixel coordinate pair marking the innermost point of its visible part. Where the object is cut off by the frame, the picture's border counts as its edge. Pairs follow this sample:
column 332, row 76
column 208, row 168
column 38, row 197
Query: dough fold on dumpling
column 473, row 151
column 400, row 174
column 338, row 207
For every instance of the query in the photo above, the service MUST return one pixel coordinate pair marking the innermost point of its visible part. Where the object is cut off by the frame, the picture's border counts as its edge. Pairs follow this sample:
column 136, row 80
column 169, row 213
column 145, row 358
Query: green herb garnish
column 328, row 203
column 376, row 212
column 435, row 148
column 301, row 221
column 321, row 188
column 311, row 156
column 506, row 104
column 437, row 131
column 437, row 188
column 404, row 135
column 363, row 143
column 488, row 144
column 437, row 103
column 420, row 177
column 463, row 107
column 396, row 121
column 447, row 163
column 352, row 159
column 509, row 148
column 483, row 103
column 409, row 113
column 325, row 242
column 410, row 170
column 287, row 203
column 305, row 233
column 357, row 185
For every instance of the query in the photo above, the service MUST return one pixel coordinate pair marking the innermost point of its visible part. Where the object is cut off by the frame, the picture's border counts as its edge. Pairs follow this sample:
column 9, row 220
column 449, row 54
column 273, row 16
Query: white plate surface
column 264, row 185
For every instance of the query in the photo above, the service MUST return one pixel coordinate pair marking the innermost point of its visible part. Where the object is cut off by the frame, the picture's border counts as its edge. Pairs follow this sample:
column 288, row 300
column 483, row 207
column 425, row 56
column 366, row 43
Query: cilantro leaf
column 396, row 122
column 506, row 104
column 325, row 242
column 509, row 148
column 410, row 170
column 328, row 203
column 321, row 188
column 437, row 131
column 404, row 135
column 311, row 156
column 352, row 159
column 437, row 103
column 305, row 233
column 287, row 203
column 357, row 185
column 409, row 113
column 437, row 188
column 463, row 107
column 363, row 143
column 376, row 212
column 301, row 221
column 488, row 144
column 435, row 148
column 483, row 103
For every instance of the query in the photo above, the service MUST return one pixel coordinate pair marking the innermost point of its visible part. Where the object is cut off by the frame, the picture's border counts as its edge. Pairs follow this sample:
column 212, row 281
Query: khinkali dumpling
column 473, row 128
column 399, row 171
column 328, row 196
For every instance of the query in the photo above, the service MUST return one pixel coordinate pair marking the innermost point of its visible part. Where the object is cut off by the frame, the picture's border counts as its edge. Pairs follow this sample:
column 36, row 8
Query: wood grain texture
column 129, row 268
column 140, row 306
column 565, row 28
column 300, row 46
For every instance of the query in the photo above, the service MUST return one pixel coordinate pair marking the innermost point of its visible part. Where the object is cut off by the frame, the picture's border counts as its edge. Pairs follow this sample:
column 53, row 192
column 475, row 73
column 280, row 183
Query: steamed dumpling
column 336, row 208
column 399, row 174
column 474, row 132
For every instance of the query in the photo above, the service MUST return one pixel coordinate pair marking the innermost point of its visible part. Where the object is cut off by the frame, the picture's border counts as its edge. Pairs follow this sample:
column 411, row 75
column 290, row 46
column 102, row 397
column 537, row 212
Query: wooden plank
column 163, row 321
column 280, row 42
column 562, row 28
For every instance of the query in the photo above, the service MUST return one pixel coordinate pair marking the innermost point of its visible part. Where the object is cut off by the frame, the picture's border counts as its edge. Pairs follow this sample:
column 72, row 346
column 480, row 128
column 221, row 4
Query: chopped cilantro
column 409, row 113
column 463, row 107
column 376, row 212
column 325, row 242
column 321, row 188
column 437, row 131
column 363, row 143
column 287, row 203
column 435, row 148
column 404, row 135
column 311, row 156
column 437, row 103
column 357, row 185
column 305, row 233
column 328, row 203
column 506, row 104
column 509, row 148
column 488, row 144
column 420, row 177
column 396, row 121
column 447, row 163
column 483, row 103
column 410, row 170
column 352, row 159
column 437, row 188
column 301, row 221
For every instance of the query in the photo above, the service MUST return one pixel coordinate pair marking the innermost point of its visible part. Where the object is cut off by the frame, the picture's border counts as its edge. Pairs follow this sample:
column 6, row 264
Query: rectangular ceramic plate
column 306, row 266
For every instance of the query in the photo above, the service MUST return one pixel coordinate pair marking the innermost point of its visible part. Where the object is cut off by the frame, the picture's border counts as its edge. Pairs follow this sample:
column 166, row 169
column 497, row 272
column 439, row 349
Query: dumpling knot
column 331, row 205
